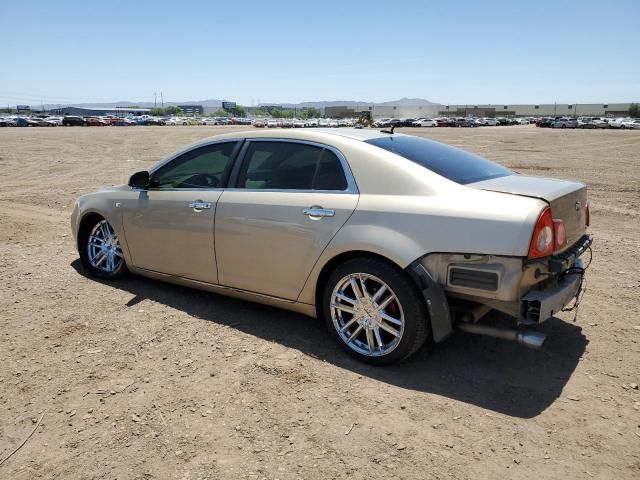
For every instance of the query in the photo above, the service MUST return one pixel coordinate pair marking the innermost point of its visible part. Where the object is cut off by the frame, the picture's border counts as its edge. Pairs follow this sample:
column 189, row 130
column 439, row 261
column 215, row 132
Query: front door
column 288, row 201
column 169, row 226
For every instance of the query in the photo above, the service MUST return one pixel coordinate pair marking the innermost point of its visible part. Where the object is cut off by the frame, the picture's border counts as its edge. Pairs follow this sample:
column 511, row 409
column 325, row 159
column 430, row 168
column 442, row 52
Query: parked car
column 617, row 123
column 406, row 122
column 442, row 122
column 272, row 123
column 123, row 122
column 600, row 123
column 96, row 122
column 154, row 121
column 425, row 122
column 311, row 123
column 7, row 122
column 73, row 121
column 375, row 241
column 25, row 122
column 44, row 122
column 465, row 122
column 491, row 122
column 586, row 123
column 545, row 122
column 382, row 122
column 633, row 124
column 259, row 123
column 565, row 122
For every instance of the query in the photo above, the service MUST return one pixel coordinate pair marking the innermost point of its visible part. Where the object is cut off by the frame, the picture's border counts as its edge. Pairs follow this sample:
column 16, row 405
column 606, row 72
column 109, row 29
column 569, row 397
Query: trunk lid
column 566, row 199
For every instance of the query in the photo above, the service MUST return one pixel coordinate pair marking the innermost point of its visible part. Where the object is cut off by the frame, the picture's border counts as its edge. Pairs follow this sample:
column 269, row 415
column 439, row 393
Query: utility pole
column 155, row 100
column 162, row 99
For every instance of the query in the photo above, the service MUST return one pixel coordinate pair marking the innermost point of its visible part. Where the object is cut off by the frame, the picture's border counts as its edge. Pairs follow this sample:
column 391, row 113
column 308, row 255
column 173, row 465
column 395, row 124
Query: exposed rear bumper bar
column 539, row 305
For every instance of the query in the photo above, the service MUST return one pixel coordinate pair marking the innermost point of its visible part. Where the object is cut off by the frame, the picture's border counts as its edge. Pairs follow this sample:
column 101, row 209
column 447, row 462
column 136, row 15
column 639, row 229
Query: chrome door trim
column 352, row 187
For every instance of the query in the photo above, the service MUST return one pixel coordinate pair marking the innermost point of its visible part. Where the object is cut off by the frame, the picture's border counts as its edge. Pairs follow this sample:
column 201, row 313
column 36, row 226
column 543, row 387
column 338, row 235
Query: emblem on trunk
column 578, row 206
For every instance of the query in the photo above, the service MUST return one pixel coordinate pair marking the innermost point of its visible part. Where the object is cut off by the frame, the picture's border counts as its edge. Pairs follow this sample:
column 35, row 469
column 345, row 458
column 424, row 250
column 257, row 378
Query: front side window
column 202, row 167
column 291, row 166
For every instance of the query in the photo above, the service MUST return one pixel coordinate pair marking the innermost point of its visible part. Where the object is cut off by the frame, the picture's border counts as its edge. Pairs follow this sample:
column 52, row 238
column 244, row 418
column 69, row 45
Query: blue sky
column 290, row 51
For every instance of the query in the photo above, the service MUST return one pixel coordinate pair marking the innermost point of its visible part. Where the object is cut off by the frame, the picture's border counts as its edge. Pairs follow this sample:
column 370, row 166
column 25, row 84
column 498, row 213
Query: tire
column 100, row 251
column 564, row 125
column 362, row 320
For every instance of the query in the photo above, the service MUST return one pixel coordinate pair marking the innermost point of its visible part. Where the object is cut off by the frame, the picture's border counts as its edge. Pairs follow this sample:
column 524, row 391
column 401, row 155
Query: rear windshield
column 452, row 163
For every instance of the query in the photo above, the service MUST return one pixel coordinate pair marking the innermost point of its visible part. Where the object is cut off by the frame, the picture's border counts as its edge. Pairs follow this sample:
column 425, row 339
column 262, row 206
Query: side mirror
column 139, row 179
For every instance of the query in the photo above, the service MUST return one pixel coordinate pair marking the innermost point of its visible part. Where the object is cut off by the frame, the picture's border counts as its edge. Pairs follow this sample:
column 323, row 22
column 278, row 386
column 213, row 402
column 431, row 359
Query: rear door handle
column 316, row 213
column 200, row 205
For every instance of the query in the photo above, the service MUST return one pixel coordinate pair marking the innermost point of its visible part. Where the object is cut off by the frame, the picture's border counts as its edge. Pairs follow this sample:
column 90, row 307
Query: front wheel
column 375, row 311
column 100, row 251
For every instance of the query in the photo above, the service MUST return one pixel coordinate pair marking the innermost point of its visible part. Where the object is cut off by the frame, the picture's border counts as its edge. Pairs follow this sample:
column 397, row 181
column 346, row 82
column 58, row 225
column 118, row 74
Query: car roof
column 306, row 134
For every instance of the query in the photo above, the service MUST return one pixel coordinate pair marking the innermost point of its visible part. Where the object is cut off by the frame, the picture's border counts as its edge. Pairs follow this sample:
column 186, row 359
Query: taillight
column 587, row 215
column 542, row 244
column 559, row 233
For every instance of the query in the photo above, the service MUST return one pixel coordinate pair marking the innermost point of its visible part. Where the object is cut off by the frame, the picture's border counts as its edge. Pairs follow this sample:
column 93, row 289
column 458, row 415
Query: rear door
column 289, row 198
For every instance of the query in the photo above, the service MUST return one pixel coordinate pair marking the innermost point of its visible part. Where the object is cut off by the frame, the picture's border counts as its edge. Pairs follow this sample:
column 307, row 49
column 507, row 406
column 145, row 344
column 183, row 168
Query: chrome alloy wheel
column 367, row 314
column 103, row 248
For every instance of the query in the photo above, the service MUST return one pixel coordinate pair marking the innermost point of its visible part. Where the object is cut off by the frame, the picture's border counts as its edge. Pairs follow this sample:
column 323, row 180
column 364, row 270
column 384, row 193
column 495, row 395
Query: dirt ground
column 142, row 380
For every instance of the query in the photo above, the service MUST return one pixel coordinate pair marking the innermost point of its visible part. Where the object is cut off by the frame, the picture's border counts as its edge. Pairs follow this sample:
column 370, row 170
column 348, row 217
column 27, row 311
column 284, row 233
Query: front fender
column 99, row 203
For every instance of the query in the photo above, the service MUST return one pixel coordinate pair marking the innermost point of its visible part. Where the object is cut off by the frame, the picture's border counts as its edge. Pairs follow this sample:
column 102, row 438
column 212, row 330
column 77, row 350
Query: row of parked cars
column 451, row 122
column 589, row 122
column 101, row 121
column 304, row 123
column 94, row 121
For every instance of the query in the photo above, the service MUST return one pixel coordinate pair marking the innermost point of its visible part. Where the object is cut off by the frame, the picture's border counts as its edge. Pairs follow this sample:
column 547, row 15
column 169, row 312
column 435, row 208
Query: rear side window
column 291, row 166
column 452, row 163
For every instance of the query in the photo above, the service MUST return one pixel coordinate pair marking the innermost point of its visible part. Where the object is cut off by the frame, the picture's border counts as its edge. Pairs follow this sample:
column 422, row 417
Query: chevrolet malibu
column 393, row 239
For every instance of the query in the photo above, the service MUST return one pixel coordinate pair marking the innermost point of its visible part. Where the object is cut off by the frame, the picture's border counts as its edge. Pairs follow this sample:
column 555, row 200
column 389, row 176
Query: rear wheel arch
column 340, row 259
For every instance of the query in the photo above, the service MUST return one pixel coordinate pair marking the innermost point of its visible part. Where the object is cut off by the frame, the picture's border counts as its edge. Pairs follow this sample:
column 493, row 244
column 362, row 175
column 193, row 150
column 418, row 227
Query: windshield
column 452, row 163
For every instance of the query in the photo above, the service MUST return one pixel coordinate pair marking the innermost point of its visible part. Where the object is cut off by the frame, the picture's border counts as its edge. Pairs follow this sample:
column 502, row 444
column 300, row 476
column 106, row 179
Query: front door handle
column 200, row 205
column 316, row 213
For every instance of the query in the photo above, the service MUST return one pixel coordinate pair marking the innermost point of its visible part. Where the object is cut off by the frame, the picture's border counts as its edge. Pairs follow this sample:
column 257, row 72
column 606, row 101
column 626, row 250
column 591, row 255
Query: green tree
column 260, row 113
column 156, row 112
column 240, row 111
column 312, row 113
column 173, row 110
column 634, row 110
column 220, row 113
column 278, row 113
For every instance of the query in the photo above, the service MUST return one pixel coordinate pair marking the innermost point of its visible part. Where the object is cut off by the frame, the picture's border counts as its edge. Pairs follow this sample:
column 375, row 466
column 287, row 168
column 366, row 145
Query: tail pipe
column 528, row 339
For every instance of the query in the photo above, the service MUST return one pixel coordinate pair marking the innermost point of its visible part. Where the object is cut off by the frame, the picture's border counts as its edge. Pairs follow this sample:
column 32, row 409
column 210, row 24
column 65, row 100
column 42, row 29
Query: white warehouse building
column 486, row 110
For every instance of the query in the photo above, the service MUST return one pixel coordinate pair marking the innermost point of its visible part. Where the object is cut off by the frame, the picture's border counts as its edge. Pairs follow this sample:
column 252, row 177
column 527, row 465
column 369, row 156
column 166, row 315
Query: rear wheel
column 375, row 311
column 100, row 251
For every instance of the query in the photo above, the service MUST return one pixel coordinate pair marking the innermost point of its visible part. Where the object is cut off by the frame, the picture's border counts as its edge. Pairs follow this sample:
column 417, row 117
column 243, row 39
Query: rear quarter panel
column 405, row 228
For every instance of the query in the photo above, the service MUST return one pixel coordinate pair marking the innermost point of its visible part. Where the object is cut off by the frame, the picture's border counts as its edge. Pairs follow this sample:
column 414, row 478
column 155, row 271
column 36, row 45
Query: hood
column 548, row 189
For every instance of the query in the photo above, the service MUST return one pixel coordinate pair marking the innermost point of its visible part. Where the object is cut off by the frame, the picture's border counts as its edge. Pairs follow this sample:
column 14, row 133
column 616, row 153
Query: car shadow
column 493, row 374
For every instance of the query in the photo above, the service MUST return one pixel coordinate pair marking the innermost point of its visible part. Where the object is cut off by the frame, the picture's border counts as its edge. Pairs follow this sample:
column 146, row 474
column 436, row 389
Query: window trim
column 242, row 159
column 225, row 176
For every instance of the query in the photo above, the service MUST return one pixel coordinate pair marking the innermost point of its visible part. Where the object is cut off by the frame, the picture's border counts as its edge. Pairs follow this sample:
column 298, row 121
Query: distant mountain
column 215, row 104
column 403, row 102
